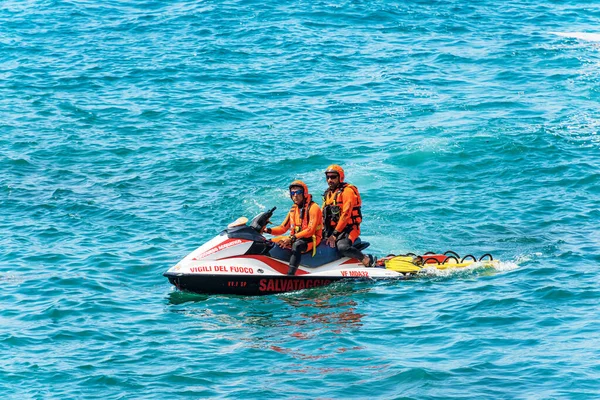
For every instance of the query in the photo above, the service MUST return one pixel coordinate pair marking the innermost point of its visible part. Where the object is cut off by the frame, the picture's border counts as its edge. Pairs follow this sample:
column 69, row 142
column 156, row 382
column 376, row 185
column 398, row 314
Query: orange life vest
column 299, row 219
column 333, row 205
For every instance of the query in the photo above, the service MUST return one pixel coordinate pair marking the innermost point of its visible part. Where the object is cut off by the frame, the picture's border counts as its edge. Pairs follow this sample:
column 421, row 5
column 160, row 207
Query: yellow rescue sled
column 413, row 264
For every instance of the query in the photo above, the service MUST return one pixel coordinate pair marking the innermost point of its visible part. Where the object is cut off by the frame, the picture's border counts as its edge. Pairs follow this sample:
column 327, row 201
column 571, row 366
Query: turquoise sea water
column 130, row 133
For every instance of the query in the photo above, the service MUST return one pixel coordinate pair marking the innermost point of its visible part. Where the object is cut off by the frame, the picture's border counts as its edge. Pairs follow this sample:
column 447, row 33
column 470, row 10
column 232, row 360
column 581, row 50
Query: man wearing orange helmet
column 305, row 222
column 342, row 215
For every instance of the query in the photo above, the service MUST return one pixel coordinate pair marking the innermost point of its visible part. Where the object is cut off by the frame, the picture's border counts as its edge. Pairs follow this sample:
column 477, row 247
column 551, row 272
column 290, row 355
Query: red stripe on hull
column 277, row 265
column 227, row 243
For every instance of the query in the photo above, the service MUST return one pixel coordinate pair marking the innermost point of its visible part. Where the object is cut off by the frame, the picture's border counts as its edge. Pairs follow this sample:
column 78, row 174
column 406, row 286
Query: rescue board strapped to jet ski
column 240, row 260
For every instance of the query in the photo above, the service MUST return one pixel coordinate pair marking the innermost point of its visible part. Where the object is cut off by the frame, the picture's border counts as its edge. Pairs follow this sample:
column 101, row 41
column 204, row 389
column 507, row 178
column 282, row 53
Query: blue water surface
column 132, row 132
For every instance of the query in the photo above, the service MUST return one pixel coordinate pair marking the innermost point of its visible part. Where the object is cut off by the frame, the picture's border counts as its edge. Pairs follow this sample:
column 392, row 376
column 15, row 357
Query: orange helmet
column 298, row 182
column 336, row 169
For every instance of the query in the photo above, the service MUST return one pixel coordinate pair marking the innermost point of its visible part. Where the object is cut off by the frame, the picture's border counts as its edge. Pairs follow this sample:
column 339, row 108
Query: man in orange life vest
column 342, row 215
column 305, row 220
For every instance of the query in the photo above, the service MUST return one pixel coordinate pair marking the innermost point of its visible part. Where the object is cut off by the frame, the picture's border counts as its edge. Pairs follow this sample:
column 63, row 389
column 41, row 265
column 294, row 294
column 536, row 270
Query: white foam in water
column 525, row 257
column 506, row 266
column 475, row 267
column 592, row 37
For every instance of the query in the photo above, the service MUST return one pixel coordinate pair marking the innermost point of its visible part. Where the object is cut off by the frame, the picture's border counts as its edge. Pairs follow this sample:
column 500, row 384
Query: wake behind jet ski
column 240, row 260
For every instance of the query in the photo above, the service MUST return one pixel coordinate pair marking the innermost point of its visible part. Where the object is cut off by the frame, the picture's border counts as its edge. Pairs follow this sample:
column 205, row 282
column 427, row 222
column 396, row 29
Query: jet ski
column 240, row 260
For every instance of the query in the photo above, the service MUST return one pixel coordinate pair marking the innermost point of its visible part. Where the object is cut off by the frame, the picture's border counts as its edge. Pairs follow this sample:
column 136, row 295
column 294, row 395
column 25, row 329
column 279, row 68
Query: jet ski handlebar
column 262, row 219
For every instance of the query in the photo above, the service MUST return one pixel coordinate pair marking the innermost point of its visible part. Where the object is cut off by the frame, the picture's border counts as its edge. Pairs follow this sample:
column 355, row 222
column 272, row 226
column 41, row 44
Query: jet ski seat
column 323, row 255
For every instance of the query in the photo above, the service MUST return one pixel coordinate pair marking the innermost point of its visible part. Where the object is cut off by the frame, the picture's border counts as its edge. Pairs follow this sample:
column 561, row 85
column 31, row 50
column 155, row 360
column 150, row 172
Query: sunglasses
column 295, row 192
column 332, row 177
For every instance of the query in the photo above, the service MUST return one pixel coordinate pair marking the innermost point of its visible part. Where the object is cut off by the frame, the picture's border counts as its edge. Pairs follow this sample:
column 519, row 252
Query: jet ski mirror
column 261, row 220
